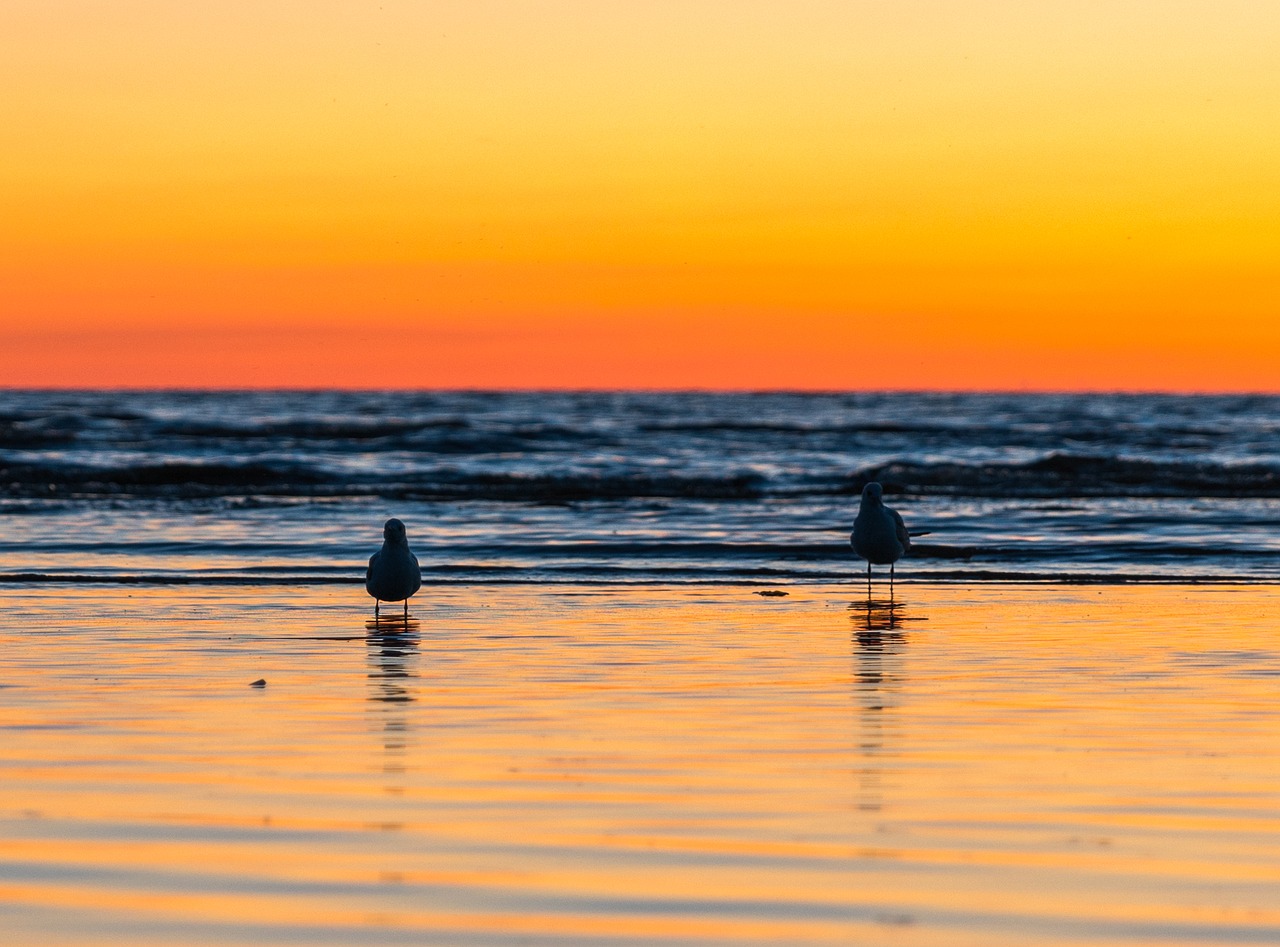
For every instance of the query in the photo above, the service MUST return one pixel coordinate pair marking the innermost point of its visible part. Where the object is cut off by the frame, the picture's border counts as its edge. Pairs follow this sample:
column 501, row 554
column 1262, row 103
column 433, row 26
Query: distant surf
column 634, row 487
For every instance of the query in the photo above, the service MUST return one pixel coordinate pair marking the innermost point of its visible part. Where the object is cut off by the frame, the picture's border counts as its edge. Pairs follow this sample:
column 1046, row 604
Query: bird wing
column 368, row 572
column 901, row 528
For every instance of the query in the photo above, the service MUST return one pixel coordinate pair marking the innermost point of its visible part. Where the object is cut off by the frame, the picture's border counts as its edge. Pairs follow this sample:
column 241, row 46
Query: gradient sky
column 967, row 194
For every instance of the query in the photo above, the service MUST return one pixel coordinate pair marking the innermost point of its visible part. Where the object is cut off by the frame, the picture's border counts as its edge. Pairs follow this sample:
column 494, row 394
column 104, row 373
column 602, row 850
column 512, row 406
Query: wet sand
column 971, row 765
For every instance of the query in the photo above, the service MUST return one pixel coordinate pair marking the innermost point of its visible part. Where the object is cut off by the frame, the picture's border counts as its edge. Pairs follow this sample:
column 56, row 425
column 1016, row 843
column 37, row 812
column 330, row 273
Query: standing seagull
column 393, row 572
column 879, row 535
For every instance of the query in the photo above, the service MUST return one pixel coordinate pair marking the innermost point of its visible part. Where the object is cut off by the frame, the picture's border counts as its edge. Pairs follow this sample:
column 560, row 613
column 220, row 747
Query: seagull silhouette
column 393, row 574
column 879, row 535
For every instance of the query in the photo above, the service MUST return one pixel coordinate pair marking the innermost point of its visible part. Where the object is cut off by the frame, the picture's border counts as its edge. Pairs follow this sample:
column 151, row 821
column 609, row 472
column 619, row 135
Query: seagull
column 393, row 572
column 879, row 535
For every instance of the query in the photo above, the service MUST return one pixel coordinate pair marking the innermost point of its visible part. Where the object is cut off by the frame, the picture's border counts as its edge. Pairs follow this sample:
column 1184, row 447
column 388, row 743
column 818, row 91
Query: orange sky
column 663, row 194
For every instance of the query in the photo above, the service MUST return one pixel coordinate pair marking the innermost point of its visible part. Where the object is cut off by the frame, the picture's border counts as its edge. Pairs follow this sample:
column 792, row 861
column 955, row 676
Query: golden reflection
column 878, row 646
column 568, row 764
column 392, row 625
column 393, row 652
column 878, row 615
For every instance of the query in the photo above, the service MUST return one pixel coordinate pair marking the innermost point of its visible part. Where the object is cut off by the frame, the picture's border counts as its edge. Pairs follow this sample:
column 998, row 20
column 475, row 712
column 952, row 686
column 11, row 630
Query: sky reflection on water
column 695, row 766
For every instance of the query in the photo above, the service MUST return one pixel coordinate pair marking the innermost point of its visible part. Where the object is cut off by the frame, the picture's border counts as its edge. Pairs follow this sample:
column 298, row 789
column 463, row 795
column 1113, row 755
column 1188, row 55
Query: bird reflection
column 393, row 652
column 878, row 644
column 878, row 615
column 392, row 625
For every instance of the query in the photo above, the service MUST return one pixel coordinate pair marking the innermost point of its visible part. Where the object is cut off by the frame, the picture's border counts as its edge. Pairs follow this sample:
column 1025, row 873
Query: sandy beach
column 998, row 764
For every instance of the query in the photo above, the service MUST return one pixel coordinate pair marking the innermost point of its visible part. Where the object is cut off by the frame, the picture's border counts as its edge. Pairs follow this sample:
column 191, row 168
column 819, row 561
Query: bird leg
column 375, row 609
column 406, row 609
column 868, row 579
column 891, row 581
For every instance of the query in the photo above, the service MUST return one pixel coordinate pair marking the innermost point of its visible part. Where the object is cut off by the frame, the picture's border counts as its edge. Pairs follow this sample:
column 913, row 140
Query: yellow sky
column 759, row 188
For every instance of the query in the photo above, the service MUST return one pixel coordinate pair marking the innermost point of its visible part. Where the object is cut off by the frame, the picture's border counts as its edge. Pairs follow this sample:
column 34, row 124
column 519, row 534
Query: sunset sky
column 729, row 194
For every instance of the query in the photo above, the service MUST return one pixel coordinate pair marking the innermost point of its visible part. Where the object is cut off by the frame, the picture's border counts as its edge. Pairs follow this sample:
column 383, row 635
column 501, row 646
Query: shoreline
column 41, row 579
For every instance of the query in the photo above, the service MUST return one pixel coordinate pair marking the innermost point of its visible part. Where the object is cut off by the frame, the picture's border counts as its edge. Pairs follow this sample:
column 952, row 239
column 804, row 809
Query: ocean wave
column 932, row 434
column 447, row 435
column 195, row 480
column 307, row 429
column 1057, row 475
column 28, row 433
column 557, row 488
column 1073, row 475
column 171, row 479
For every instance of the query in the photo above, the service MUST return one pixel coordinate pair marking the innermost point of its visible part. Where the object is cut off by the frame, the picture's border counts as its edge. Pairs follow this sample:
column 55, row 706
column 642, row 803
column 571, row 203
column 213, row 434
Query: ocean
column 634, row 487
column 1057, row 730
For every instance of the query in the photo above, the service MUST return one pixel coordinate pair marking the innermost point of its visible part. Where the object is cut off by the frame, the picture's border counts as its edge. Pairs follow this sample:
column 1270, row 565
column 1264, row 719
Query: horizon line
column 641, row 389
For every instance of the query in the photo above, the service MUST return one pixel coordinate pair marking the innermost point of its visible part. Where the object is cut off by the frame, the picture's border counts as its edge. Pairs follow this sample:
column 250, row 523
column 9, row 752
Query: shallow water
column 969, row 765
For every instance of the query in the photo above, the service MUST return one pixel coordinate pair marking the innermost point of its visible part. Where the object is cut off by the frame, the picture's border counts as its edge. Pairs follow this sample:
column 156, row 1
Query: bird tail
column 919, row 532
